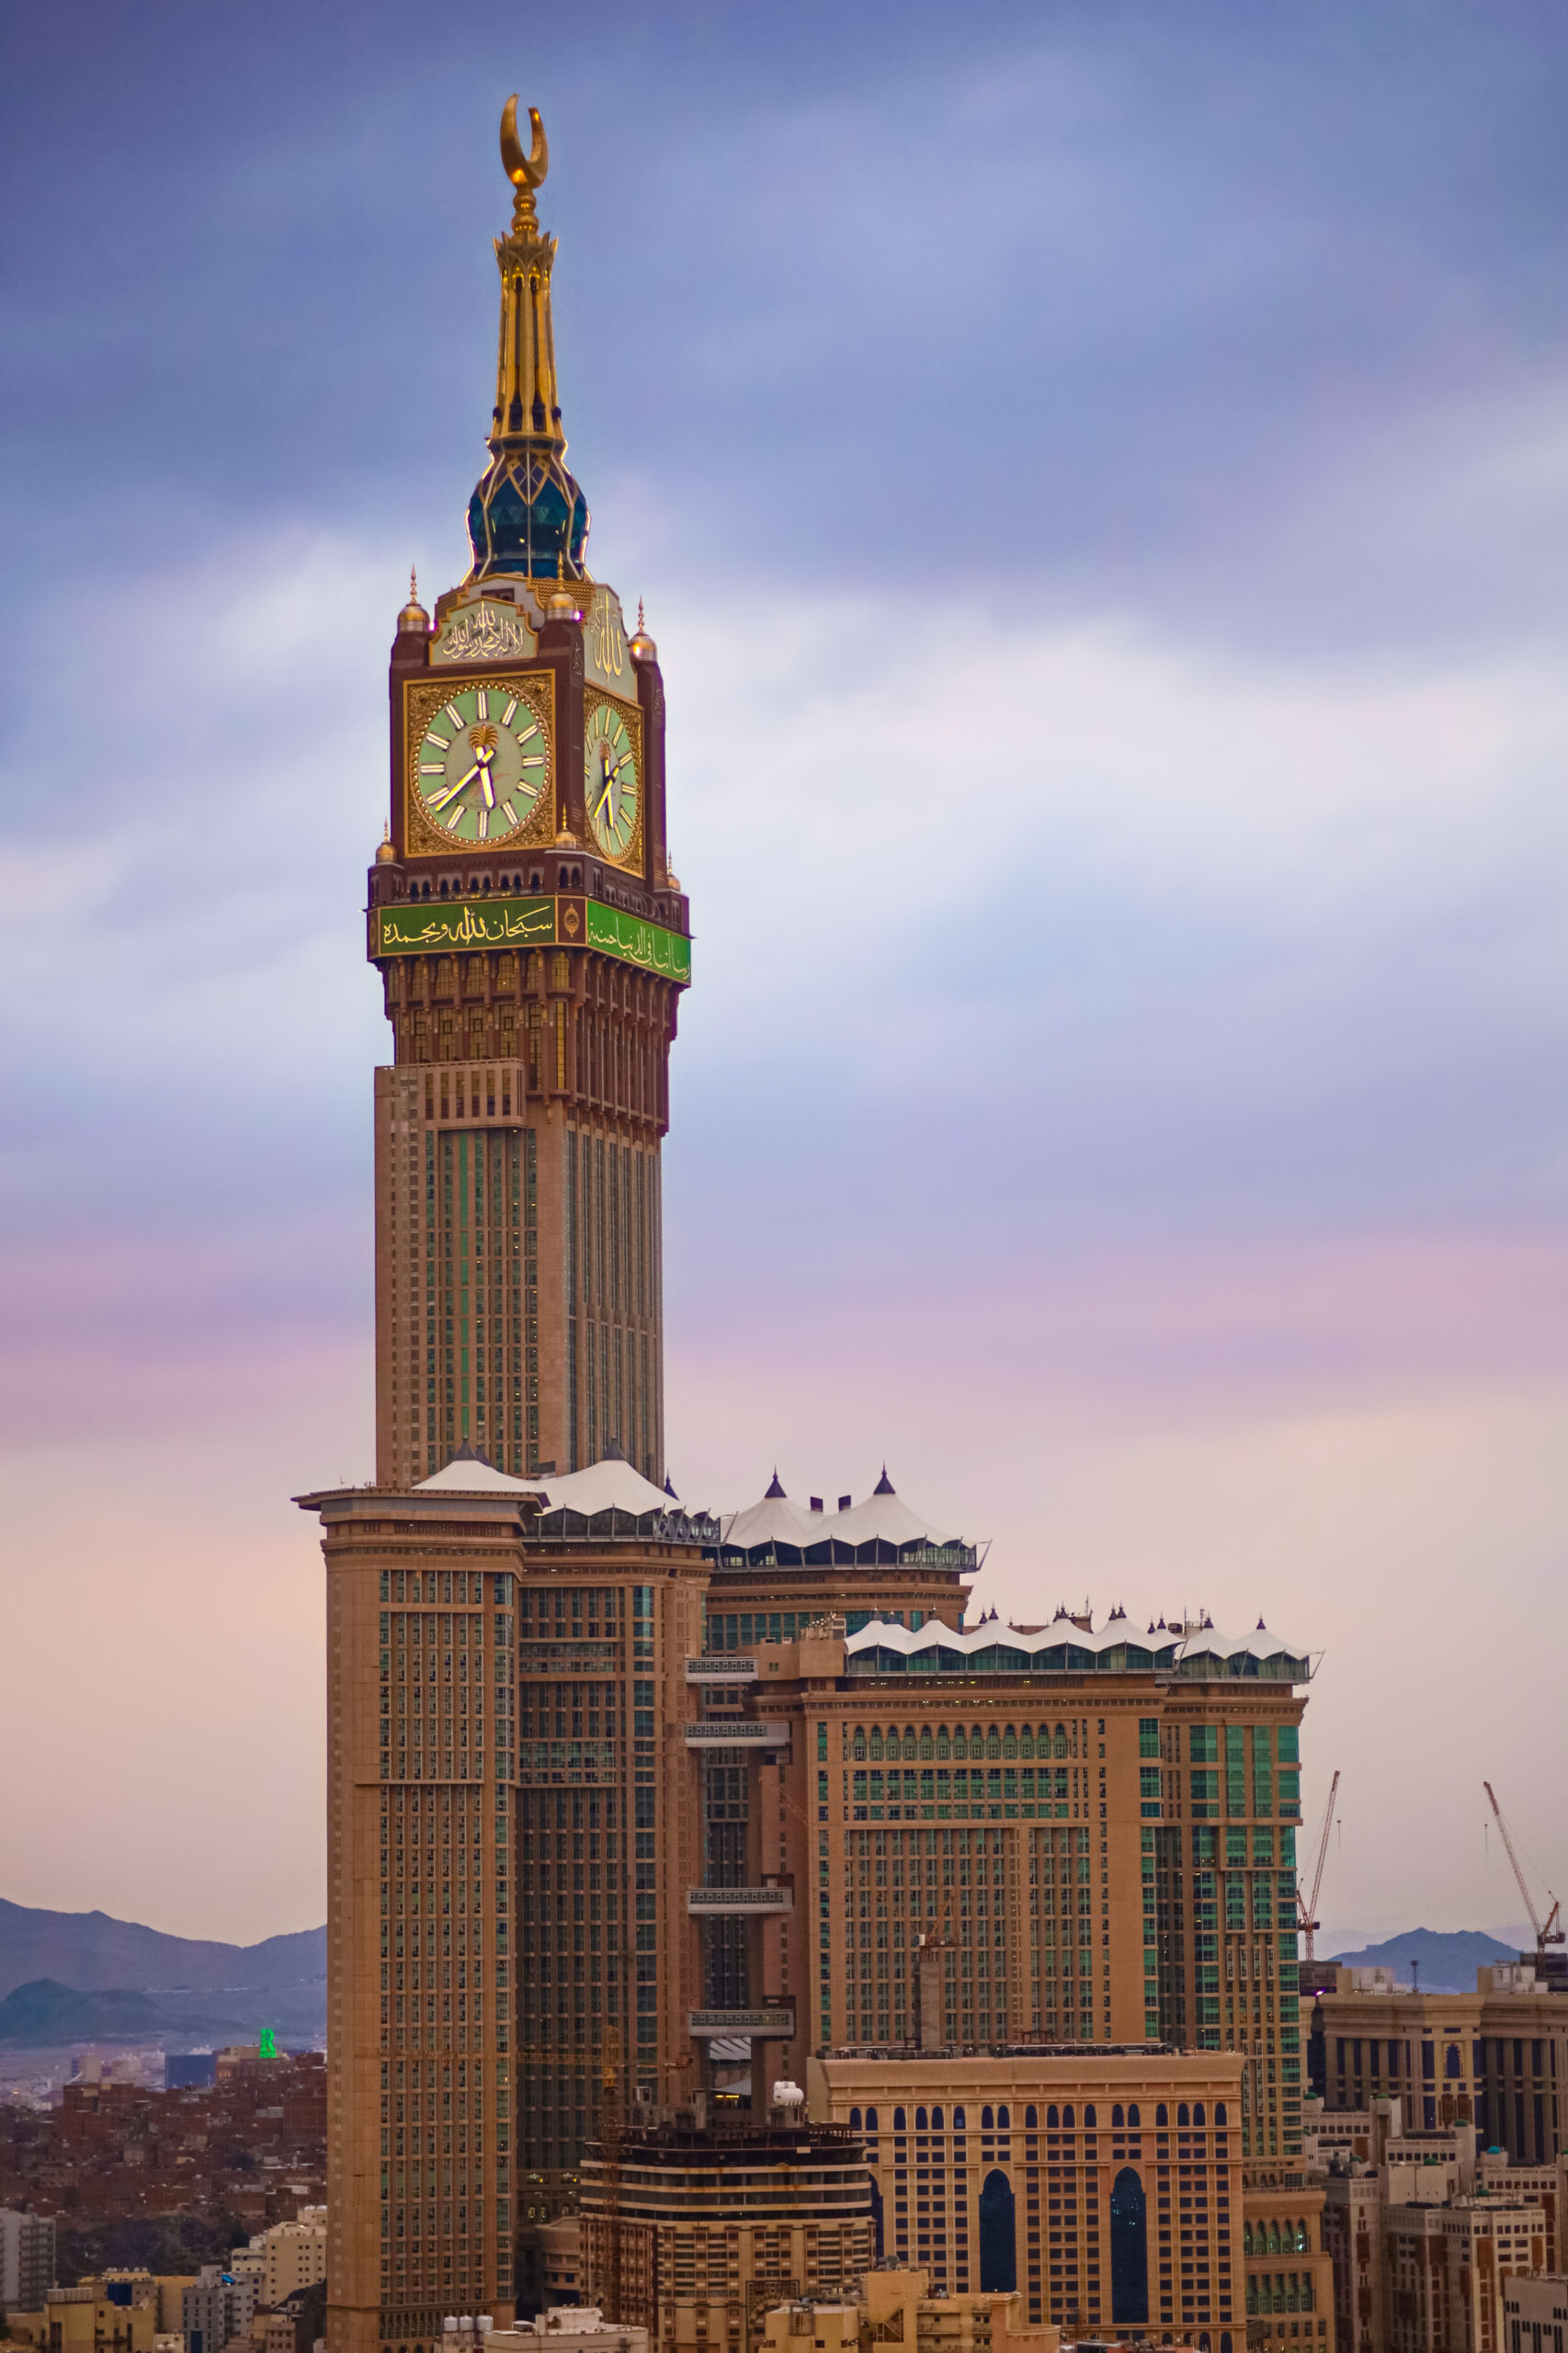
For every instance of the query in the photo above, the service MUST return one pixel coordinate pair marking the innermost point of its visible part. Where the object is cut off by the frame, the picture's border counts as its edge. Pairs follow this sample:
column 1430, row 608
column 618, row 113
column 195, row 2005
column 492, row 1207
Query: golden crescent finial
column 523, row 171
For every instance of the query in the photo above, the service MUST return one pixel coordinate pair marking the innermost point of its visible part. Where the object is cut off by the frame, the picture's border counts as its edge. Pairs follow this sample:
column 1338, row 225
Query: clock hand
column 610, row 786
column 484, row 784
column 450, row 791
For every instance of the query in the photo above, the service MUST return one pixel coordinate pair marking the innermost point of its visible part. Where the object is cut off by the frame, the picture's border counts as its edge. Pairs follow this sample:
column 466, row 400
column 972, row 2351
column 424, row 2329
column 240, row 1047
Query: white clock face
column 482, row 764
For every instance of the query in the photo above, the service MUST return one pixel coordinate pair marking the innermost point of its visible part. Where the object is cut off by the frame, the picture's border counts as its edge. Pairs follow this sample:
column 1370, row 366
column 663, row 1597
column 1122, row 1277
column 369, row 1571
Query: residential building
column 693, row 2230
column 897, row 2305
column 216, row 2310
column 1445, row 2268
column 27, row 2261
column 1535, row 2312
column 1376, row 2195
column 1104, row 2185
column 85, row 2319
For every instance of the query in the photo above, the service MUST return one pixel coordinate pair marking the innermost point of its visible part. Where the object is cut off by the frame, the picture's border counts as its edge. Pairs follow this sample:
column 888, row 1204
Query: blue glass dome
column 527, row 516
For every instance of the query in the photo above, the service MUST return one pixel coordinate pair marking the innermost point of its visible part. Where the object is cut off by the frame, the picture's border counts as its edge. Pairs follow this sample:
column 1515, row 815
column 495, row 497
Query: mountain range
column 1446, row 1959
column 81, row 1976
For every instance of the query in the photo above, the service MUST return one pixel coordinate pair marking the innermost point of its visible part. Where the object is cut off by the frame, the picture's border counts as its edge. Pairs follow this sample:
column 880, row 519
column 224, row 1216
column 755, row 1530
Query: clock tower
column 532, row 943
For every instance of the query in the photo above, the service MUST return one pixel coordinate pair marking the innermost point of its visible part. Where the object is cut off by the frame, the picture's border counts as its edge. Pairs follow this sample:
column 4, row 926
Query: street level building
column 694, row 2230
column 1104, row 2186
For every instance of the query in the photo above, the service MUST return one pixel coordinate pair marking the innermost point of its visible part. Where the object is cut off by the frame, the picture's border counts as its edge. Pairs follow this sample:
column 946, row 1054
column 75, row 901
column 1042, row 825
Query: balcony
column 775, row 2021
column 717, row 1667
column 737, row 1732
column 705, row 1903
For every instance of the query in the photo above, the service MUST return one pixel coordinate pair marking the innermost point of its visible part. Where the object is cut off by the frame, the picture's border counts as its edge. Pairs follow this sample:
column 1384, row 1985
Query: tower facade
column 532, row 943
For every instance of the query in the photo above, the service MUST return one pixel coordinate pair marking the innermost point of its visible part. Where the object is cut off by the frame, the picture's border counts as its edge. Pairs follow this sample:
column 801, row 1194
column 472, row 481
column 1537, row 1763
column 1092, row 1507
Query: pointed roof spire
column 775, row 1492
column 885, row 1485
column 526, row 516
column 669, row 1489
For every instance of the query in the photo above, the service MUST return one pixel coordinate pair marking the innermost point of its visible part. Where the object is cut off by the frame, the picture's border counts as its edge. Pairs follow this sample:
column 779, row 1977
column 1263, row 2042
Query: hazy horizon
column 1099, row 482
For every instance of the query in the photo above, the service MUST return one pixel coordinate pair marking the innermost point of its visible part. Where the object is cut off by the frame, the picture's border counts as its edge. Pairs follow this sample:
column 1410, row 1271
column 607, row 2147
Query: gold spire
column 527, row 402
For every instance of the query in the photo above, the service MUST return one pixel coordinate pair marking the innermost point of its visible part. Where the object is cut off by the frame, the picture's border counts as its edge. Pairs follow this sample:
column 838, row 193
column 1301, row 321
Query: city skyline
column 1164, row 1184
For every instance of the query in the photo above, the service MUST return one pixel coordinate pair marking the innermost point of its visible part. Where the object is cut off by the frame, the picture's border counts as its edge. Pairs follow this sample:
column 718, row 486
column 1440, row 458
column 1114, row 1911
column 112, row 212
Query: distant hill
column 89, row 1950
column 47, row 2012
column 1448, row 1958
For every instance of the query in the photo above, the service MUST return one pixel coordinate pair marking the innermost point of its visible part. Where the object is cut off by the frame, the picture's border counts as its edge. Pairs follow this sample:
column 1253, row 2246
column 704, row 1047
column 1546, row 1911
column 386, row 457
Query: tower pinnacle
column 526, row 516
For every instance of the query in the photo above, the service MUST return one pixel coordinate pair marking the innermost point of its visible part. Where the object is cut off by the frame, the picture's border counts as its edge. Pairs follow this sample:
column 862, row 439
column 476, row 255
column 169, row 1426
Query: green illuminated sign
column 636, row 942
column 466, row 923
column 425, row 927
column 267, row 2047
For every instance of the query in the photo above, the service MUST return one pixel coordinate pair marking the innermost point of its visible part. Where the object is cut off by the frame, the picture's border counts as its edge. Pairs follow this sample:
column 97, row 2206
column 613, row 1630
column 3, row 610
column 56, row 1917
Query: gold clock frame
column 629, row 859
column 423, row 697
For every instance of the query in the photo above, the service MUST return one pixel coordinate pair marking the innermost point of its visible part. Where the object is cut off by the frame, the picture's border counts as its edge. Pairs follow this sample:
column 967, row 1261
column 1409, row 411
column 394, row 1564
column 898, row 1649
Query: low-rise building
column 85, row 2319
column 568, row 2328
column 897, row 2306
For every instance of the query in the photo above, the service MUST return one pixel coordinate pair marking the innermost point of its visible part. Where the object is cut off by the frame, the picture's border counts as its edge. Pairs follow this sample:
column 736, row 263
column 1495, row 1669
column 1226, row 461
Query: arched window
column 1132, row 2118
column 1117, row 2118
column 998, row 2241
column 1162, row 2116
column 936, row 2119
column 994, row 1742
column 1128, row 2249
column 854, row 2119
column 1225, row 2341
column 1246, row 2238
column 1032, row 2119
column 1219, row 2112
column 1051, row 2119
column 911, row 1747
column 1304, row 2239
column 1182, row 2115
column 1067, row 2118
column 860, row 1742
column 958, row 2120
column 1088, row 2120
column 987, row 2119
column 920, row 2119
column 1061, row 1741
column 1004, row 2120
column 871, row 2119
column 898, row 2120
column 1452, row 2063
column 1198, row 2114
column 1273, row 2246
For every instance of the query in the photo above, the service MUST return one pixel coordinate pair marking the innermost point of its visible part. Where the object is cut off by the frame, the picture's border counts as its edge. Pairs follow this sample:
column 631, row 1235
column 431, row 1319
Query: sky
column 1098, row 478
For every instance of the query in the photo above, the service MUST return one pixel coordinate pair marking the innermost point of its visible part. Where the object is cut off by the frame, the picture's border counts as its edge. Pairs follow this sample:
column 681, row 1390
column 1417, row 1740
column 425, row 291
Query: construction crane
column 1307, row 1920
column 1546, row 1932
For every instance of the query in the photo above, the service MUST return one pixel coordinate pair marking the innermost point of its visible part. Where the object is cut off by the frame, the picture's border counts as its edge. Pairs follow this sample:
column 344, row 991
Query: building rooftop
column 1072, row 1645
column 778, row 1532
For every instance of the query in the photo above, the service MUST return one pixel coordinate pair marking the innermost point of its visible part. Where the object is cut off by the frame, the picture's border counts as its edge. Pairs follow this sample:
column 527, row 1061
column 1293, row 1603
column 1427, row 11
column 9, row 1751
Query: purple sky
column 1099, row 480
